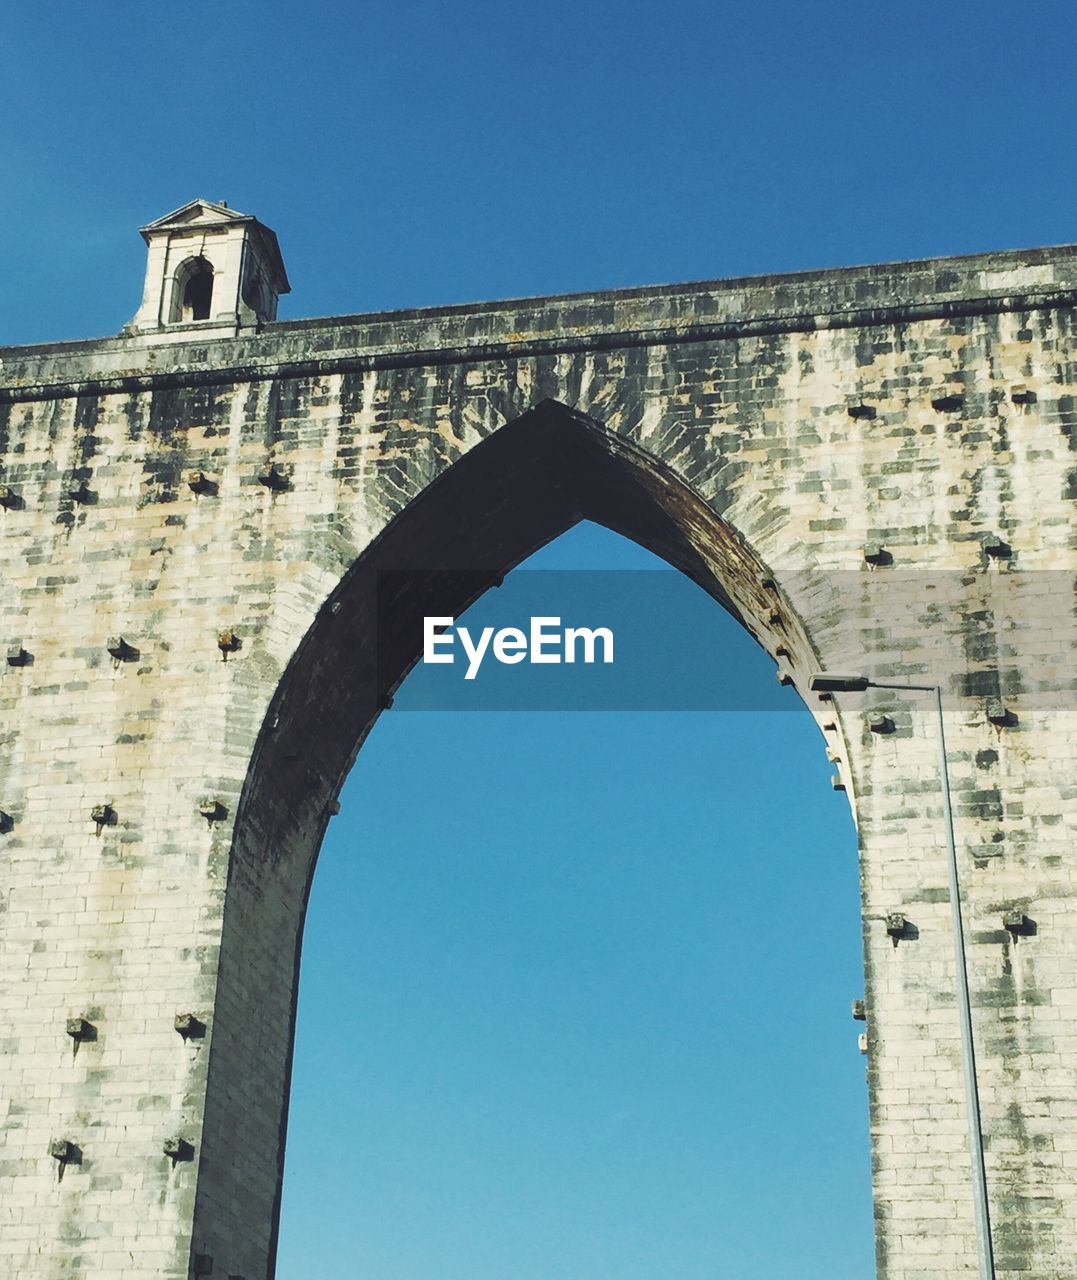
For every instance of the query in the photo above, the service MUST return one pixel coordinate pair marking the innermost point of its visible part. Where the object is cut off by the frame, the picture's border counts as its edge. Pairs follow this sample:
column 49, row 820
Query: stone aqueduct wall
column 762, row 433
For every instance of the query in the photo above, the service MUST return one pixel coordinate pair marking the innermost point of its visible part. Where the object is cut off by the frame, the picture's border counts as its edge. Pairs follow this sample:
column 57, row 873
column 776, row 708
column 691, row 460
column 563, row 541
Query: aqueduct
column 872, row 468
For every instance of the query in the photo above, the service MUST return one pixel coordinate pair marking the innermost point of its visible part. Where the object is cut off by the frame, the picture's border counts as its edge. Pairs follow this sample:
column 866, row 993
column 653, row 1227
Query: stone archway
column 871, row 467
column 520, row 488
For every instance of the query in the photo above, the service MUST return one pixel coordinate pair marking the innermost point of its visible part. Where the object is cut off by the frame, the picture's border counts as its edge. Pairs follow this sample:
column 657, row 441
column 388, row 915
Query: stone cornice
column 844, row 298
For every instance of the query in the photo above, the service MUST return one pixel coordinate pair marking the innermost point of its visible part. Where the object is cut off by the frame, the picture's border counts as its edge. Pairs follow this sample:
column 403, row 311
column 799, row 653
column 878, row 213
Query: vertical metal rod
column 981, row 1210
column 844, row 682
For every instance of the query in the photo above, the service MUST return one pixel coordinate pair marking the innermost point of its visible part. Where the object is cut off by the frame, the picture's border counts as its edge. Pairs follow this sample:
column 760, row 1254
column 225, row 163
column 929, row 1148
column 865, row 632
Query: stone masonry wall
column 890, row 447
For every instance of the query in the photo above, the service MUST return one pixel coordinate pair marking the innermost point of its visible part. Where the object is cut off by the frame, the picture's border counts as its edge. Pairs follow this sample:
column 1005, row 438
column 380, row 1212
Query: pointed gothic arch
column 520, row 488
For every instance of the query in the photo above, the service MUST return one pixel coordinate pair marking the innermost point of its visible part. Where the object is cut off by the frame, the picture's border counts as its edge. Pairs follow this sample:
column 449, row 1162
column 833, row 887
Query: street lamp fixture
column 846, row 682
column 837, row 682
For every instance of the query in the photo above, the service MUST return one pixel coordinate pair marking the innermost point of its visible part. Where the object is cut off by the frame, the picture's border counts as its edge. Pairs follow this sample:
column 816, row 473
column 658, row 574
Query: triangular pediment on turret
column 204, row 215
column 197, row 213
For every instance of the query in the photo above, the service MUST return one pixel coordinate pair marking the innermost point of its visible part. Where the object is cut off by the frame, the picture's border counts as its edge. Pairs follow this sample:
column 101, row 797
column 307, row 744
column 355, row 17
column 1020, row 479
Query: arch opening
column 535, row 478
column 573, row 953
column 193, row 292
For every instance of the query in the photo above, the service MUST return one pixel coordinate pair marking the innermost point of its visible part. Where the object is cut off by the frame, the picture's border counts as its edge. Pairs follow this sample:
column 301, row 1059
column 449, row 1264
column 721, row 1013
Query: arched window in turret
column 193, row 299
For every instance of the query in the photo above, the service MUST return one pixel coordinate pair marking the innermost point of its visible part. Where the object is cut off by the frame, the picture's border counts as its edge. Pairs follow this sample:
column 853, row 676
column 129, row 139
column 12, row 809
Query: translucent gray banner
column 653, row 640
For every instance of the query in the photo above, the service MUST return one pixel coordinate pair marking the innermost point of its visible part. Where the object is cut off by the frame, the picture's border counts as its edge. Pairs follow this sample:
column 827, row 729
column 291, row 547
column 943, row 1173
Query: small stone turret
column 209, row 268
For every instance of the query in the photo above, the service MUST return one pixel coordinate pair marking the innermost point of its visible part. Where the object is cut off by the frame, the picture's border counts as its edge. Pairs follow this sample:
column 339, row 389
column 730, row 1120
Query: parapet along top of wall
column 1026, row 280
column 357, row 344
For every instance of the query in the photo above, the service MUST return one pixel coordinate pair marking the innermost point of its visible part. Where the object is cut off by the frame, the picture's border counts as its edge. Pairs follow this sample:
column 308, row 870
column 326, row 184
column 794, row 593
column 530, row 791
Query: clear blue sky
column 575, row 988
